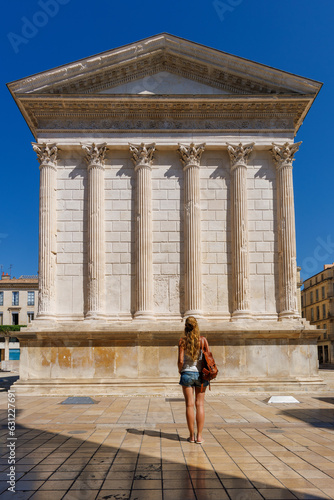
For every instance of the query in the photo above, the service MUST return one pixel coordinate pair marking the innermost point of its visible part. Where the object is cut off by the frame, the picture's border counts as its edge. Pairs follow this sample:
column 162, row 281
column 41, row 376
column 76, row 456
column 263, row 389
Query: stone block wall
column 168, row 228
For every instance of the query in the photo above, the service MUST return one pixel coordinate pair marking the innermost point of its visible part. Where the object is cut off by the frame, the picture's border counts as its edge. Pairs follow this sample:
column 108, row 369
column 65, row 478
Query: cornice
column 169, row 52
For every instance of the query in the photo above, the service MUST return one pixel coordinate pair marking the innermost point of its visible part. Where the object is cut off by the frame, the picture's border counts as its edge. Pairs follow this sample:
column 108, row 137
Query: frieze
column 165, row 124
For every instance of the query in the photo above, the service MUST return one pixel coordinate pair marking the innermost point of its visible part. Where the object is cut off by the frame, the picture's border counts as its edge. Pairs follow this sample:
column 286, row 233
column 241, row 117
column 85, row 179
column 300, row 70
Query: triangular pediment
column 189, row 68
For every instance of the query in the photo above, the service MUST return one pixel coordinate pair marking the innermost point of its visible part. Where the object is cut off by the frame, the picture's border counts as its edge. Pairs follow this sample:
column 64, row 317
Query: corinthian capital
column 284, row 154
column 46, row 153
column 142, row 154
column 191, row 155
column 95, row 154
column 239, row 154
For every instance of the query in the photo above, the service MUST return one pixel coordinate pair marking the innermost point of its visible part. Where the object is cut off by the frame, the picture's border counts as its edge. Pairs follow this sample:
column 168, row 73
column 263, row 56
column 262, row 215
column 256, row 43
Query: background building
column 18, row 306
column 318, row 308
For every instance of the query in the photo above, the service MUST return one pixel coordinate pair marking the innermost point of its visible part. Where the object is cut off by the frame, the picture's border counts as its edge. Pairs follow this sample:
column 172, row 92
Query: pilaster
column 283, row 156
column 240, row 256
column 95, row 155
column 190, row 157
column 47, row 157
column 142, row 156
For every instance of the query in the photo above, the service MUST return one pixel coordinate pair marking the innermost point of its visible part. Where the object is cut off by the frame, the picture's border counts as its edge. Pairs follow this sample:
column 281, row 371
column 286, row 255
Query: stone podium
column 165, row 190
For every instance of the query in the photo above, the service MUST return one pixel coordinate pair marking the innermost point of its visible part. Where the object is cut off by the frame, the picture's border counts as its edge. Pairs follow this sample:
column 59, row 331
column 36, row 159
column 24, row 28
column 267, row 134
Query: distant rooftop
column 24, row 277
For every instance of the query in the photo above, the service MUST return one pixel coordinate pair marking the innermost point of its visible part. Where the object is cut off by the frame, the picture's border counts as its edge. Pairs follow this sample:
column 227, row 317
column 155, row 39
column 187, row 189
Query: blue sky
column 292, row 35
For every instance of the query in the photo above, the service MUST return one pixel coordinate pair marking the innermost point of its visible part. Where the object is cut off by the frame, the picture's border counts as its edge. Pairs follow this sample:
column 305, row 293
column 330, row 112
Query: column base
column 95, row 316
column 144, row 315
column 45, row 317
column 192, row 312
column 241, row 315
column 288, row 315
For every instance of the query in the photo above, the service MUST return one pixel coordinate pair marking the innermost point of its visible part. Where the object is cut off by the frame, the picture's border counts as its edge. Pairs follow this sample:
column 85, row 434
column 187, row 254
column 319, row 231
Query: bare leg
column 188, row 393
column 199, row 412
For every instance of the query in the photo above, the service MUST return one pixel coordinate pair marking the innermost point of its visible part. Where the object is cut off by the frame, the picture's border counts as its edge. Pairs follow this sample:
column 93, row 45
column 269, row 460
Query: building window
column 322, row 277
column 312, row 314
column 325, row 335
column 15, row 318
column 1, row 318
column 1, row 298
column 311, row 298
column 310, row 282
column 317, row 295
column 15, row 298
column 323, row 292
column 324, row 310
column 14, row 354
column 31, row 299
column 30, row 317
column 302, row 301
column 318, row 312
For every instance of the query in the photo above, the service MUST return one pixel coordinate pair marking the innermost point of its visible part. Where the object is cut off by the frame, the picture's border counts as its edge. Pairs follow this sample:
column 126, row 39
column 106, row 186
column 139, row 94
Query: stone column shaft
column 96, row 231
column 6, row 349
column 47, row 156
column 143, row 159
column 240, row 257
column 190, row 157
column 192, row 241
column 288, row 301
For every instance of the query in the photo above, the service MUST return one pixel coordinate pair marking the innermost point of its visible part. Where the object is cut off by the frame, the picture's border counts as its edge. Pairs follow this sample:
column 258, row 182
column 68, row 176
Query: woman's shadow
column 157, row 434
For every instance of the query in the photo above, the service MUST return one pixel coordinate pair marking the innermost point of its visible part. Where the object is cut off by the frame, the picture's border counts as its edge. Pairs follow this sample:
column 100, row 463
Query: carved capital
column 143, row 154
column 191, row 155
column 239, row 154
column 46, row 154
column 283, row 155
column 95, row 154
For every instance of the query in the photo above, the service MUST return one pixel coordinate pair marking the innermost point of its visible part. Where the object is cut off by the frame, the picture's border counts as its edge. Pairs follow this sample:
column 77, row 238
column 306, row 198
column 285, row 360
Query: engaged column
column 191, row 158
column 47, row 157
column 143, row 159
column 240, row 258
column 283, row 158
column 95, row 155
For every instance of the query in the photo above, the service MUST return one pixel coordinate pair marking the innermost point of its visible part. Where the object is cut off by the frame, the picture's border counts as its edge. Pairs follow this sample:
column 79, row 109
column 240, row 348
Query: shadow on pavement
column 317, row 417
column 126, row 466
column 7, row 380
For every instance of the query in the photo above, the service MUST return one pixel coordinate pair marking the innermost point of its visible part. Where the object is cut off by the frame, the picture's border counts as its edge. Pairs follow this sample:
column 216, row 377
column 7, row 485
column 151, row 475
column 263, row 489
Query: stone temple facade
column 165, row 190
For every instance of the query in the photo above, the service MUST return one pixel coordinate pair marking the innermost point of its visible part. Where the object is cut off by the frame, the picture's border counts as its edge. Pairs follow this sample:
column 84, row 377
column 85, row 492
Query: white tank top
column 189, row 365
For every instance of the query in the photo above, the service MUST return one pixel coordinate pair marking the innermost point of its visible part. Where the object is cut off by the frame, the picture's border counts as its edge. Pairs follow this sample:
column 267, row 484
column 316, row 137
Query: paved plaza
column 135, row 448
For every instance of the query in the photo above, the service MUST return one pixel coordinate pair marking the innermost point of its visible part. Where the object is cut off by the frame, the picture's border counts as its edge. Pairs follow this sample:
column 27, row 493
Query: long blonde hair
column 191, row 342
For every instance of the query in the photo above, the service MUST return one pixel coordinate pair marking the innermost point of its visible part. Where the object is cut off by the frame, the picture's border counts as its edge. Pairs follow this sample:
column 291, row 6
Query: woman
column 190, row 367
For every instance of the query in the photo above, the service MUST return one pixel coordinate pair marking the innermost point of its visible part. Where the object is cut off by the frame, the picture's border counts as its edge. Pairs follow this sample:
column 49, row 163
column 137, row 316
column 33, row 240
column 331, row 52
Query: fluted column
column 240, row 257
column 47, row 157
column 190, row 158
column 95, row 154
column 283, row 157
column 142, row 156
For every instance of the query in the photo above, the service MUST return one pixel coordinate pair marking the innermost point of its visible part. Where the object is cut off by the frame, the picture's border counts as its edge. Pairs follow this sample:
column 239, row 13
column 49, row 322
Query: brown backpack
column 209, row 370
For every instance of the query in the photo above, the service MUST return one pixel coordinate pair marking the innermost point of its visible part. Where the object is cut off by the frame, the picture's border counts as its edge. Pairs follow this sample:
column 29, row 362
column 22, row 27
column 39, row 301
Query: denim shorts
column 192, row 379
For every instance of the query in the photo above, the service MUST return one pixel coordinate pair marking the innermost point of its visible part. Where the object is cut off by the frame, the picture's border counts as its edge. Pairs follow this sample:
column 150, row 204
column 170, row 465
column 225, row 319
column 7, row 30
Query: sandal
column 200, row 442
column 191, row 440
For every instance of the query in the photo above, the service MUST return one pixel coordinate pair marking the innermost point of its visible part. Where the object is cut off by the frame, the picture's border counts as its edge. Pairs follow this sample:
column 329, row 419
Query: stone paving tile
column 255, row 450
column 277, row 494
column 113, row 494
